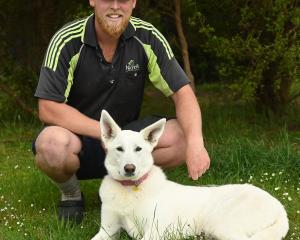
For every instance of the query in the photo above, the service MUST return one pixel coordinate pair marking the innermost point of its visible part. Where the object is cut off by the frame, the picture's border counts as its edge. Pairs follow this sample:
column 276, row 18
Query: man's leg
column 57, row 156
column 171, row 147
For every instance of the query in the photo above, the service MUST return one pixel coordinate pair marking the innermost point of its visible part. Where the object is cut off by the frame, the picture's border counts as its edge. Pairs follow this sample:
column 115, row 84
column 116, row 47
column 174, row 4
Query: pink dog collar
column 133, row 182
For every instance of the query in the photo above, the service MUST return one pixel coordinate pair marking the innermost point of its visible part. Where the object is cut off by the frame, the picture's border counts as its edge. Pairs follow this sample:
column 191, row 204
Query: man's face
column 112, row 16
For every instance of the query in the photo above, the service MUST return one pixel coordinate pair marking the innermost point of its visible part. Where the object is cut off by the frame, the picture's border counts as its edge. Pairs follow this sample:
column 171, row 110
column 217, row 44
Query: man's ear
column 134, row 3
column 108, row 127
column 153, row 132
column 92, row 3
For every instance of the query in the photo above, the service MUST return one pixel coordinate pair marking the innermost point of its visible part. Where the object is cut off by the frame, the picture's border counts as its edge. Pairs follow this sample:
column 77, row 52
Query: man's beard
column 114, row 30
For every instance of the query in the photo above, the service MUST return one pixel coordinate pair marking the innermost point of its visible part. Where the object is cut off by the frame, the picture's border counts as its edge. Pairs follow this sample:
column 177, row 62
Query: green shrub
column 17, row 84
column 260, row 58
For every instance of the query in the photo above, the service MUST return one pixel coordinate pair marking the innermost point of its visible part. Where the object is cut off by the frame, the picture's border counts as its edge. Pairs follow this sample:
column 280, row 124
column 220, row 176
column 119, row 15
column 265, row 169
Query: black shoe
column 71, row 211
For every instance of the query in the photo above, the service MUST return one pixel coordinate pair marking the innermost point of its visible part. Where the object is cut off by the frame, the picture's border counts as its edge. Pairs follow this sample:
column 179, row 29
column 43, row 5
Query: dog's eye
column 137, row 149
column 120, row 149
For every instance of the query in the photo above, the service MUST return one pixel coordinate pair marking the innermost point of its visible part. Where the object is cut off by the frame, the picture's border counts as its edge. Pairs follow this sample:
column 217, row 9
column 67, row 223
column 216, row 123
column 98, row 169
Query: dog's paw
column 99, row 236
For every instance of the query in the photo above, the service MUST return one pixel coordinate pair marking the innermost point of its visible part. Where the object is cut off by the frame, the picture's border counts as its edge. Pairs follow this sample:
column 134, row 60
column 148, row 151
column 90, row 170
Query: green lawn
column 244, row 147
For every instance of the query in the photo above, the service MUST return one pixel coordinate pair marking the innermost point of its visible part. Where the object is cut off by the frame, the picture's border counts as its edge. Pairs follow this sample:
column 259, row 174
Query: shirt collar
column 129, row 31
column 90, row 33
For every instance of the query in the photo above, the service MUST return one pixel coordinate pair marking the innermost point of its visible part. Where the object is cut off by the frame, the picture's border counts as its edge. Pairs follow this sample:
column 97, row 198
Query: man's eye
column 137, row 149
column 120, row 149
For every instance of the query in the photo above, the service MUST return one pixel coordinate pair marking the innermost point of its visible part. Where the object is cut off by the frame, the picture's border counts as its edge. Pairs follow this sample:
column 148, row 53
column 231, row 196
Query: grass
column 243, row 146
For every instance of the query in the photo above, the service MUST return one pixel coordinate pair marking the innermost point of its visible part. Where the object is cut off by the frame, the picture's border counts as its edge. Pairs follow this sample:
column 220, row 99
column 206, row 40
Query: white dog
column 137, row 197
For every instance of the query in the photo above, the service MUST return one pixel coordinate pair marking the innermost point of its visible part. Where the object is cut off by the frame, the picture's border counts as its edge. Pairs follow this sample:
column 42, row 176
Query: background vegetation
column 244, row 57
column 252, row 46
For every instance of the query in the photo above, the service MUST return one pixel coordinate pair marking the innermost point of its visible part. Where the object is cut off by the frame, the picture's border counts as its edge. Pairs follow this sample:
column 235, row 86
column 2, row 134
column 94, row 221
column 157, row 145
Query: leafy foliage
column 16, row 84
column 261, row 58
column 26, row 29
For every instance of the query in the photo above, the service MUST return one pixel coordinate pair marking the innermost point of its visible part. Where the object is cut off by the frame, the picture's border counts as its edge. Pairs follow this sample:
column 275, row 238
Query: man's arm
column 63, row 115
column 189, row 117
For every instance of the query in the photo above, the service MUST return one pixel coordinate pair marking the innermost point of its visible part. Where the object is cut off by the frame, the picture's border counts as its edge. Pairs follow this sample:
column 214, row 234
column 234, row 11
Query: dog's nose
column 129, row 169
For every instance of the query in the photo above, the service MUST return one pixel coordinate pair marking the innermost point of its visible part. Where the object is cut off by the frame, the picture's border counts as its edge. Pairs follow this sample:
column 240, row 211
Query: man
column 101, row 62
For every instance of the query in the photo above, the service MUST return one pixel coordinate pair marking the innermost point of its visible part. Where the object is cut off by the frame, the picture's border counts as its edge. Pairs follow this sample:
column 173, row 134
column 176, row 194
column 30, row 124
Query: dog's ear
column 153, row 132
column 108, row 127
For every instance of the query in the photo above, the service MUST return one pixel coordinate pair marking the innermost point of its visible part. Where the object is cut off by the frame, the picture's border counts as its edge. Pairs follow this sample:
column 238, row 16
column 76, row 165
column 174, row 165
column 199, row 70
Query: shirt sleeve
column 164, row 71
column 52, row 84
column 57, row 70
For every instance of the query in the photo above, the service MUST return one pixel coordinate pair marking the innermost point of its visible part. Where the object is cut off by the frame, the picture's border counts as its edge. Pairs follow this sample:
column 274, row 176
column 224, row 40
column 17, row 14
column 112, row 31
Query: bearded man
column 102, row 62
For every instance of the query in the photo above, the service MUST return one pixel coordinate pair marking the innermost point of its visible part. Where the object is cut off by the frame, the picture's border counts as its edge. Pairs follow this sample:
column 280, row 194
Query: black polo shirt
column 75, row 72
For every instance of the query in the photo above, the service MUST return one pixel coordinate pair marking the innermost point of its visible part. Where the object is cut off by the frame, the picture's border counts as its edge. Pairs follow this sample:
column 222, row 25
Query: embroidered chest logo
column 131, row 66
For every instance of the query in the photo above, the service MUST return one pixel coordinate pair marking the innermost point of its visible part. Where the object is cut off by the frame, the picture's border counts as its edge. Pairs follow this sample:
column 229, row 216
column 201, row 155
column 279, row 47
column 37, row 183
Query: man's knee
column 53, row 146
column 171, row 147
column 173, row 135
column 178, row 138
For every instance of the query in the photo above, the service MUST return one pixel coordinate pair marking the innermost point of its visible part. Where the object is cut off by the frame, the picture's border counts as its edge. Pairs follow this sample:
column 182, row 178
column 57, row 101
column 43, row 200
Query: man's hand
column 197, row 161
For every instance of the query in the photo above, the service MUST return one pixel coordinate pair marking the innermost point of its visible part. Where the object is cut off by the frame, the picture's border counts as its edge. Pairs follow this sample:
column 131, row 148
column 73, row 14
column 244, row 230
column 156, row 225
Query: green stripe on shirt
column 155, row 75
column 73, row 63
column 57, row 38
column 138, row 23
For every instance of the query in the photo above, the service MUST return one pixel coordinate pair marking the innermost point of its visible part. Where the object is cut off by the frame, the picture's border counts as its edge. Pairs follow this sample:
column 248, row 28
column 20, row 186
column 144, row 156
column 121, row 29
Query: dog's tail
column 276, row 231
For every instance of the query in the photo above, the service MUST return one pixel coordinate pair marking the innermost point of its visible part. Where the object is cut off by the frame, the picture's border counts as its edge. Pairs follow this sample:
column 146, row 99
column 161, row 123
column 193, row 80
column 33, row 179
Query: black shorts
column 92, row 154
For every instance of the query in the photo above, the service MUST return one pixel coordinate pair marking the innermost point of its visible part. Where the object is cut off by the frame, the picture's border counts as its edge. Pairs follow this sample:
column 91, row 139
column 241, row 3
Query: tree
column 183, row 42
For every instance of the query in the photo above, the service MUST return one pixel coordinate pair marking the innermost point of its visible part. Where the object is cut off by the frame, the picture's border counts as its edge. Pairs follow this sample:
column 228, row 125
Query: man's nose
column 115, row 4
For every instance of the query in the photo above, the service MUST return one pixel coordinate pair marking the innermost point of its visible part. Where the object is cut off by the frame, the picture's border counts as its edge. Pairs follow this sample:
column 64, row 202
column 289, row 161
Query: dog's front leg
column 110, row 225
column 102, row 235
